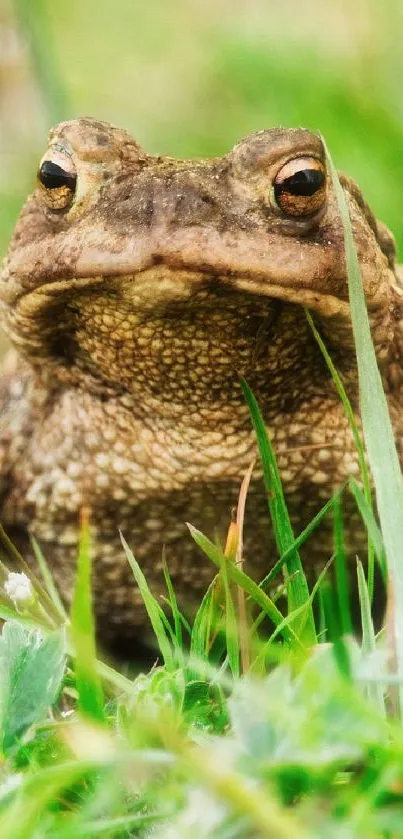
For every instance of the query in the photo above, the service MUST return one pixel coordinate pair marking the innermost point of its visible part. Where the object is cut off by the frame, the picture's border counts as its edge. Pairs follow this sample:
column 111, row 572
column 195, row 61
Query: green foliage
column 31, row 668
column 291, row 754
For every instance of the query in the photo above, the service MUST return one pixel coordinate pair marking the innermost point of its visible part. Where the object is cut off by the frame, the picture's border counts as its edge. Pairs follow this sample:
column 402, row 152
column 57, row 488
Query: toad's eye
column 57, row 178
column 300, row 187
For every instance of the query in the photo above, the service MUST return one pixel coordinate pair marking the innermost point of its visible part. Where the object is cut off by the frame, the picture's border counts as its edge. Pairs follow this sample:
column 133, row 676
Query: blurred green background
column 190, row 77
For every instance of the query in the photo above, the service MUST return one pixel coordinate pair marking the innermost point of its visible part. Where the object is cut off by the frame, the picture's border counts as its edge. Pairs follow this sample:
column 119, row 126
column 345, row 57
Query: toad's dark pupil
column 304, row 182
column 53, row 176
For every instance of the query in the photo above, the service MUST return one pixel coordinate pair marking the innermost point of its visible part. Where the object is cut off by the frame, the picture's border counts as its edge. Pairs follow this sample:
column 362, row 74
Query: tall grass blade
column 342, row 586
column 297, row 587
column 154, row 610
column 348, row 410
column 203, row 624
column 374, row 690
column 48, row 580
column 302, row 609
column 243, row 617
column 177, row 617
column 258, row 665
column 377, row 429
column 231, row 631
column 303, row 536
column 368, row 517
column 332, row 622
column 88, row 683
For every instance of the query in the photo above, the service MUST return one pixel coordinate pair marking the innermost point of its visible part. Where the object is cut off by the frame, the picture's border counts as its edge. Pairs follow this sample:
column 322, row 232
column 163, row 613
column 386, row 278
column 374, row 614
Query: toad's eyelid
column 307, row 158
column 60, row 148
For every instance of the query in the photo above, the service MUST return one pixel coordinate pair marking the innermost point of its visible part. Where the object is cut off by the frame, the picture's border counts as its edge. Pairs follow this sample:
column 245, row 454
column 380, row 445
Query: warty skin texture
column 134, row 311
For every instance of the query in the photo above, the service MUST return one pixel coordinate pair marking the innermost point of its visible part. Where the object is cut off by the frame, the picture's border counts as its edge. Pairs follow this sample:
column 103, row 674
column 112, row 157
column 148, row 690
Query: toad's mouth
column 305, row 270
column 160, row 285
column 136, row 317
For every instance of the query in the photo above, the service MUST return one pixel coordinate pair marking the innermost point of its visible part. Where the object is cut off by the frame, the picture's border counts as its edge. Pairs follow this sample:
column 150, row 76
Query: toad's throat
column 169, row 332
column 194, row 353
column 177, row 354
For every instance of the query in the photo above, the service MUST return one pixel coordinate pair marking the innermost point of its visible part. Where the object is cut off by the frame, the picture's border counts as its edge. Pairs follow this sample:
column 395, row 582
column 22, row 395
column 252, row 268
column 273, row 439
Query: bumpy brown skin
column 134, row 313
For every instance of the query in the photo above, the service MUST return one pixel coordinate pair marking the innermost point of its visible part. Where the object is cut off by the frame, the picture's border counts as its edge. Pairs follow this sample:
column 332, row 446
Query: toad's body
column 137, row 291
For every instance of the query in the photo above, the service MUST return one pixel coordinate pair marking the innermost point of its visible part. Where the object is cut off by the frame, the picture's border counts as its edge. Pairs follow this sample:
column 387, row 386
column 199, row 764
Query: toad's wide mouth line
column 33, row 302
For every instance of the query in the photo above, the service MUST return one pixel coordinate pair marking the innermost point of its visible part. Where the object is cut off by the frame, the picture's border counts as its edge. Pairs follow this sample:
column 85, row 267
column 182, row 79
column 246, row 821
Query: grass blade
column 242, row 579
column 231, row 632
column 366, row 480
column 303, row 536
column 377, row 429
column 88, row 683
column 332, row 621
column 302, row 609
column 154, row 610
column 177, row 618
column 297, row 587
column 342, row 586
column 48, row 580
column 374, row 690
column 368, row 517
column 243, row 617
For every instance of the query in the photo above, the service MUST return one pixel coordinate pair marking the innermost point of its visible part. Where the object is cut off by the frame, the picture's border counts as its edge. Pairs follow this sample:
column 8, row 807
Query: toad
column 137, row 291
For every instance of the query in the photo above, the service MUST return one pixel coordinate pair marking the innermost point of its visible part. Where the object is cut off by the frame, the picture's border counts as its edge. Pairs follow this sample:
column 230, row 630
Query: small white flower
column 18, row 587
